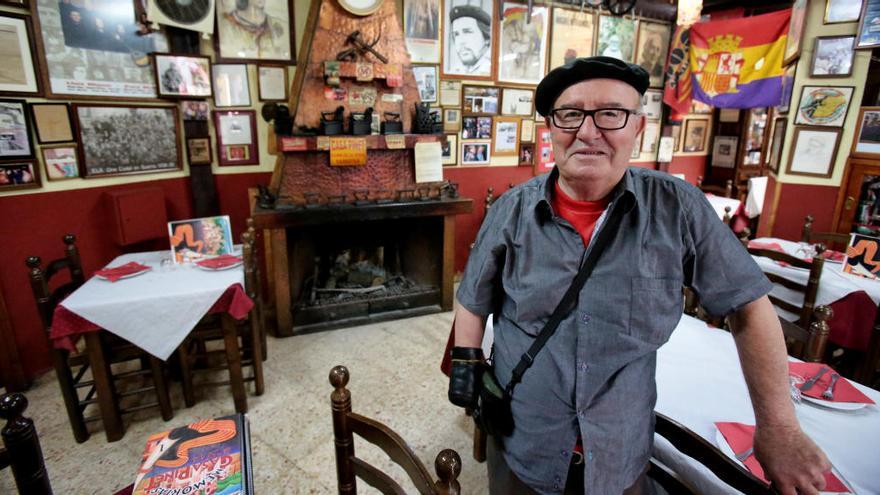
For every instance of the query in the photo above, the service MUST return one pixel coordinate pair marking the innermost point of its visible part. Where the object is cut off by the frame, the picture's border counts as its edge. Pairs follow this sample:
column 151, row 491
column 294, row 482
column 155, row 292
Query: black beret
column 470, row 11
column 582, row 69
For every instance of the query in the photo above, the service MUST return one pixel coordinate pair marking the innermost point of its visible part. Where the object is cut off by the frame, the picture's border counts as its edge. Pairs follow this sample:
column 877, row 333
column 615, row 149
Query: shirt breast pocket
column 655, row 308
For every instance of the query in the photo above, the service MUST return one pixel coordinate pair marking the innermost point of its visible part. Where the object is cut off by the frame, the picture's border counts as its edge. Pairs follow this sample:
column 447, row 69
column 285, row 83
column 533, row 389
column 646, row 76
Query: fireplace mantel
column 283, row 217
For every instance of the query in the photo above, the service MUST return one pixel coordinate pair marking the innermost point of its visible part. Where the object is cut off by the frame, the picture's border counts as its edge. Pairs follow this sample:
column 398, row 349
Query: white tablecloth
column 755, row 198
column 719, row 202
column 699, row 382
column 155, row 310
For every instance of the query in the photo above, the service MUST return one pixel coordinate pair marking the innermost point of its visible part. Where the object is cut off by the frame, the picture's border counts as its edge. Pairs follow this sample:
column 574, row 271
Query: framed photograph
column 52, row 122
column 18, row 73
column 616, row 36
column 724, row 151
column 426, row 79
column 795, row 32
column 476, row 127
column 236, row 137
column 527, row 131
column 866, row 143
column 652, row 102
column 776, row 144
column 449, row 151
column 200, row 238
column 19, row 175
column 651, row 50
column 832, row 56
column 544, row 159
column 637, row 147
column 814, row 150
column 198, row 151
column 231, row 86
column 869, row 25
column 450, row 93
column 787, row 88
column 258, row 32
column 517, row 102
column 475, row 153
column 573, row 35
column 837, row 11
column 505, row 137
column 180, row 76
column 650, row 136
column 676, row 138
column 272, row 83
column 700, row 108
column 127, row 139
column 480, row 99
column 728, row 115
column 522, row 46
column 451, row 119
column 467, row 42
column 421, row 30
column 695, row 135
column 84, row 62
column 823, row 105
column 60, row 162
column 15, row 131
column 526, row 154
column 665, row 149
column 194, row 110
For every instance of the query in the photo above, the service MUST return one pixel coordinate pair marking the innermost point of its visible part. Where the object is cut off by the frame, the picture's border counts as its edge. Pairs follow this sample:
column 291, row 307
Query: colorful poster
column 862, row 258
column 200, row 238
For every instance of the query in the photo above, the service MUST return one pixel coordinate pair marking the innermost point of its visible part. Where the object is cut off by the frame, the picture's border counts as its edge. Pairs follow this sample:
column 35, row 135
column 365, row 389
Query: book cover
column 862, row 257
column 208, row 457
column 200, row 238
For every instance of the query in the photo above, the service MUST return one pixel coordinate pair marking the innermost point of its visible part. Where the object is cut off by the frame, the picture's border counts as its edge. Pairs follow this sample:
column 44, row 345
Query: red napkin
column 740, row 438
column 117, row 272
column 844, row 391
column 773, row 246
column 221, row 261
column 831, row 255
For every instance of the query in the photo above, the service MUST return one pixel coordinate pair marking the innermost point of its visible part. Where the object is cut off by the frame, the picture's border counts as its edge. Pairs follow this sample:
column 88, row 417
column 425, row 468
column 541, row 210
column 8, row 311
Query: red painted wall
column 796, row 201
column 691, row 166
column 765, row 226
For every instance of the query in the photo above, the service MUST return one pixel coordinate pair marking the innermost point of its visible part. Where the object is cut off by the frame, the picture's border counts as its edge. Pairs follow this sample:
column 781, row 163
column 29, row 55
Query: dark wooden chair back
column 253, row 281
column 808, row 343
column 832, row 240
column 447, row 464
column 726, row 190
column 810, row 289
column 47, row 298
column 22, row 453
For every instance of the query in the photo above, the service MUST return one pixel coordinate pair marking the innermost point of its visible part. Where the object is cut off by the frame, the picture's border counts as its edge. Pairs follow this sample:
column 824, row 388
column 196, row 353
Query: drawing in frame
column 526, row 154
column 823, row 105
column 449, row 151
column 516, row 101
column 15, row 131
column 505, row 136
column 231, row 85
column 182, row 76
column 18, row 73
column 694, row 139
column 480, row 99
column 795, row 32
column 651, row 50
column 451, row 119
column 616, row 36
column 837, row 11
column 522, row 44
column 813, row 151
column 263, row 32
column 832, row 56
column 236, row 137
column 868, row 35
column 724, row 151
column 127, row 139
column 572, row 36
column 652, row 103
column 52, row 122
column 272, row 83
column 23, row 174
column 60, row 162
column 426, row 80
column 79, row 63
column 198, row 150
column 450, row 93
column 776, row 144
column 468, row 34
column 421, row 30
column 475, row 152
column 866, row 143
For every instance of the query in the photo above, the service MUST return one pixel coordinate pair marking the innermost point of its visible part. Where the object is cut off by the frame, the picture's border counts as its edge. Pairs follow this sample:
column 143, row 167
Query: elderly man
column 472, row 38
column 583, row 410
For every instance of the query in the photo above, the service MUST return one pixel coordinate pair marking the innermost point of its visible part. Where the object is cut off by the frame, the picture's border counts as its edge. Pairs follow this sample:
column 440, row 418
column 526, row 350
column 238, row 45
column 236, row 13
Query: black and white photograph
column 467, row 43
column 180, row 76
column 522, row 45
column 814, row 151
column 650, row 137
column 15, row 131
column 426, row 79
column 480, row 99
column 652, row 103
column 451, row 119
column 724, row 151
column 833, row 56
column 475, row 153
column 127, row 139
column 449, row 150
column 231, row 85
column 421, row 30
column 18, row 74
column 516, row 101
column 272, row 82
column 652, row 48
column 616, row 37
column 450, row 93
column 255, row 31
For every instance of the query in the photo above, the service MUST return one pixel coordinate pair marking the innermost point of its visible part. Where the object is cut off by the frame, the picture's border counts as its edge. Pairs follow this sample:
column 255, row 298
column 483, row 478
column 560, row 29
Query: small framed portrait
column 19, row 75
column 527, row 131
column 505, row 136
column 695, row 135
column 468, row 39
column 272, row 83
column 19, row 175
column 60, row 162
column 832, row 56
column 449, row 151
column 15, row 132
column 236, row 137
column 475, row 153
column 480, row 99
column 450, row 93
column 837, row 11
column 778, row 140
column 451, row 119
column 868, row 35
column 650, row 136
column 866, row 143
column 52, row 122
column 724, row 151
column 616, row 35
column 516, row 101
column 526, row 154
column 823, row 105
column 255, row 32
column 544, row 159
column 652, row 102
column 795, row 32
column 194, row 109
column 231, row 86
column 651, row 50
column 198, row 151
column 522, row 45
column 426, row 79
column 814, row 150
column 573, row 35
column 182, row 76
column 787, row 88
column 421, row 30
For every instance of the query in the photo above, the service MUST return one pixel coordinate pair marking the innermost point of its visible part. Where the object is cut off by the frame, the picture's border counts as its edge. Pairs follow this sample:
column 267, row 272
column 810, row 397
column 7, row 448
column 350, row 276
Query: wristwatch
column 361, row 7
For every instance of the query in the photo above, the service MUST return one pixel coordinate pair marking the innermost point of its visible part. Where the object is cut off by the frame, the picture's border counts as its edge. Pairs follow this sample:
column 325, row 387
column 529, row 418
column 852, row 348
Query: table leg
column 104, row 389
column 186, row 378
column 233, row 359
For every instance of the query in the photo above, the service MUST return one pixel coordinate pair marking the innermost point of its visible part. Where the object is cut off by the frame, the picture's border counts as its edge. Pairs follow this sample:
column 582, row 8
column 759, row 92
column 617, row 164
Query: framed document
column 516, row 101
column 18, row 73
column 426, row 79
column 15, row 132
column 231, row 87
column 505, row 136
column 236, row 137
column 258, row 32
column 198, row 151
column 272, row 83
column 52, row 121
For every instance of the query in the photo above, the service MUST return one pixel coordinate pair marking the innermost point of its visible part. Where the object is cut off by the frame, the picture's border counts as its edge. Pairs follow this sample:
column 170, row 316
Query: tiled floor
column 395, row 379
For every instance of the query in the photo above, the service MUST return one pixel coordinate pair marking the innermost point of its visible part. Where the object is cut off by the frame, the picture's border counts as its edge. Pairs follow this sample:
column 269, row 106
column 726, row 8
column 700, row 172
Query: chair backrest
column 726, row 190
column 668, row 479
column 868, row 370
column 808, row 343
column 22, row 452
column 40, row 279
column 830, row 239
column 810, row 289
column 447, row 464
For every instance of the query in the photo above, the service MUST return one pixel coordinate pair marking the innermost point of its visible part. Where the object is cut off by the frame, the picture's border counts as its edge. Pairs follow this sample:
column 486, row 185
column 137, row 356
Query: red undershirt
column 582, row 215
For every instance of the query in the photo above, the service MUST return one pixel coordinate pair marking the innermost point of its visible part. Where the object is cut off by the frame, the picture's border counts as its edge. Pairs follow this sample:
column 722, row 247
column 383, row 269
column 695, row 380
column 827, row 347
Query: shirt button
column 590, row 455
column 585, row 318
column 584, row 367
column 564, row 453
column 582, row 413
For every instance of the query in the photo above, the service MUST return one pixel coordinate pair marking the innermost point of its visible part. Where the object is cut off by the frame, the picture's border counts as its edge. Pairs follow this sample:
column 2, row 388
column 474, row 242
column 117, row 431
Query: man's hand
column 464, row 379
column 791, row 461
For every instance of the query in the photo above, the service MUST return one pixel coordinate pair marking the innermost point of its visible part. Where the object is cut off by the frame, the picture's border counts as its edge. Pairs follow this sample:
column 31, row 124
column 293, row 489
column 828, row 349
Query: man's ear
column 642, row 122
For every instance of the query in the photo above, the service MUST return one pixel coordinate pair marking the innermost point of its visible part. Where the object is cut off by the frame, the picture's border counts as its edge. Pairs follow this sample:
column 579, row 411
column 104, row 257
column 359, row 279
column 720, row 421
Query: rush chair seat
column 832, row 240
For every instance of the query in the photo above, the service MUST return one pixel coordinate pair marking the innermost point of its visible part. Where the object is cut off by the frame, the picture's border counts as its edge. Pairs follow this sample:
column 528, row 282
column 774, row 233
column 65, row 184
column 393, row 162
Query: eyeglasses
column 607, row 119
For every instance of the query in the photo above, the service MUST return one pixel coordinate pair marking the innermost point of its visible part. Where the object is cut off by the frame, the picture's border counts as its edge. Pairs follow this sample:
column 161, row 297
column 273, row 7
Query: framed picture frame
column 237, row 39
column 613, row 34
column 476, row 127
column 20, row 174
column 522, row 44
column 22, row 4
column 476, row 152
column 466, row 55
column 651, row 50
column 573, row 35
column 526, row 154
column 795, row 32
column 695, row 134
column 788, row 75
column 724, row 151
column 516, row 101
column 15, row 131
column 449, row 151
column 813, row 151
column 52, row 122
column 728, row 115
column 20, row 76
column 868, row 35
column 866, row 141
column 451, row 119
column 236, row 137
column 421, row 30
column 527, row 131
column 832, row 56
column 450, row 93
column 198, row 151
column 60, row 162
column 272, row 83
column 505, row 136
column 127, row 139
column 837, row 11
column 194, row 110
column 650, row 137
column 778, row 140
column 231, row 85
column 652, row 102
column 182, row 76
column 544, row 159
column 665, row 149
column 480, row 100
column 675, row 132
column 426, row 80
column 823, row 105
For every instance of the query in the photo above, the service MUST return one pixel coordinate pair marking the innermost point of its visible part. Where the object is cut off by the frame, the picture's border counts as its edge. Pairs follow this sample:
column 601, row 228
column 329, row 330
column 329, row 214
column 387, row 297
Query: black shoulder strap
column 569, row 300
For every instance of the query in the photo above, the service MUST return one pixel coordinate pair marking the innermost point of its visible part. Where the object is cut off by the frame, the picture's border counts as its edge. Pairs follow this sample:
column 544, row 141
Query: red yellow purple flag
column 737, row 63
column 677, row 93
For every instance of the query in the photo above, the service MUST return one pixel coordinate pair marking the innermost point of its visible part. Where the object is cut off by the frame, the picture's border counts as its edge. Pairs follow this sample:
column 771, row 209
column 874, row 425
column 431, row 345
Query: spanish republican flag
column 737, row 63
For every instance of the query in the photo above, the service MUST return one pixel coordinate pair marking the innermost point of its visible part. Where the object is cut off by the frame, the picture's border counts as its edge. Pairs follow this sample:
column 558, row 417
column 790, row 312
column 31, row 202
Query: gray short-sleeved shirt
column 595, row 376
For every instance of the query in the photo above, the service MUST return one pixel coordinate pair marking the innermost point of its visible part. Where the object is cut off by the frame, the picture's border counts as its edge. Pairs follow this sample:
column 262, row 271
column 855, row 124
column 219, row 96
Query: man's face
column 588, row 153
column 75, row 17
column 468, row 39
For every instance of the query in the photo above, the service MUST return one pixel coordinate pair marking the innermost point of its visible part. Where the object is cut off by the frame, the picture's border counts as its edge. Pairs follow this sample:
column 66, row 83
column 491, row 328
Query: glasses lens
column 568, row 118
column 610, row 118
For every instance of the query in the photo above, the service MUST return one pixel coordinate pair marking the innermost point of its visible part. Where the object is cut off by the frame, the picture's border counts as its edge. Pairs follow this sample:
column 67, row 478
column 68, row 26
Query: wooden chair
column 71, row 367
column 867, row 372
column 671, row 482
column 22, row 452
column 832, row 240
column 810, row 289
column 447, row 464
column 253, row 280
column 808, row 343
column 726, row 190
